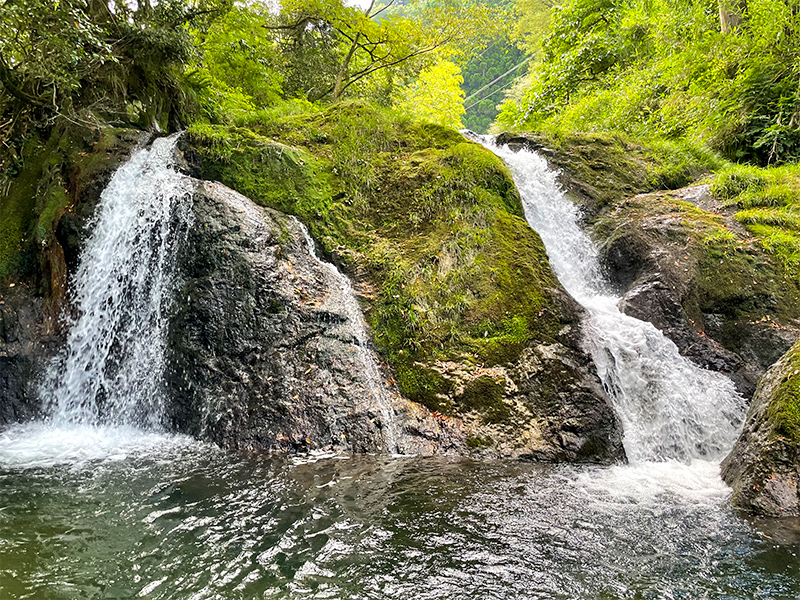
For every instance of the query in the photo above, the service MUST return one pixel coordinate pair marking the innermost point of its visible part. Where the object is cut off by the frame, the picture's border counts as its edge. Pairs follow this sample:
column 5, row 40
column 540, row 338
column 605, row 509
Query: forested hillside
column 90, row 65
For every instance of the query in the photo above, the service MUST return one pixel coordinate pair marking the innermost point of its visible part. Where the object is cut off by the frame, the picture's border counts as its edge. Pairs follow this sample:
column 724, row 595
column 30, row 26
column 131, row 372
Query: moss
column 423, row 385
column 485, row 396
column 17, row 209
column 784, row 407
column 770, row 199
column 434, row 221
column 49, row 178
column 476, row 442
column 609, row 167
column 736, row 179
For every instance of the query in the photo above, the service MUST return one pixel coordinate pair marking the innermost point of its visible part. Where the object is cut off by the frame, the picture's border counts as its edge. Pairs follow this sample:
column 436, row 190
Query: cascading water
column 669, row 407
column 110, row 372
column 105, row 388
column 354, row 327
column 204, row 523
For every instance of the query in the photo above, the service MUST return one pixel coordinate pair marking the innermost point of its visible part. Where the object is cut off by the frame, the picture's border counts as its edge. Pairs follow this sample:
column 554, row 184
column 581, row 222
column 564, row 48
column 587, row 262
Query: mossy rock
column 598, row 169
column 764, row 466
column 429, row 224
column 51, row 177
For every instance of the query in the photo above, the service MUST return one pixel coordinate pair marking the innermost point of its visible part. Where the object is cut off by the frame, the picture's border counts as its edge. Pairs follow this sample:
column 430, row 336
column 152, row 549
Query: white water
column 354, row 326
column 670, row 408
column 105, row 389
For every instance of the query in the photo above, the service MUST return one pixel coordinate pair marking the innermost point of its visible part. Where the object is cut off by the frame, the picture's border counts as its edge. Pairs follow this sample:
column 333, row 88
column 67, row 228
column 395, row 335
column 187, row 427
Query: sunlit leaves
column 436, row 95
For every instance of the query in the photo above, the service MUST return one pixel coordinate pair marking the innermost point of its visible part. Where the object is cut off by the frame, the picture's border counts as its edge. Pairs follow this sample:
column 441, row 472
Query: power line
column 490, row 95
column 491, row 83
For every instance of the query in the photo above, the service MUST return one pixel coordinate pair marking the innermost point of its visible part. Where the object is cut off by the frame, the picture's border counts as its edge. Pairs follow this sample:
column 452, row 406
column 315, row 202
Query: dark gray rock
column 28, row 339
column 264, row 352
column 764, row 466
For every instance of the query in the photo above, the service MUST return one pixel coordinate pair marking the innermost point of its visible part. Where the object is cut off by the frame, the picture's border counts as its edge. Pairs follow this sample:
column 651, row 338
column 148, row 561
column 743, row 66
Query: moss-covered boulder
column 456, row 286
column 697, row 275
column 764, row 467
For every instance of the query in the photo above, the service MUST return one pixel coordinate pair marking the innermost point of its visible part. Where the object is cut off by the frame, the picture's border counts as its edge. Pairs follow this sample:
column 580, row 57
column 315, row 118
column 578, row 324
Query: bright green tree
column 329, row 48
column 436, row 95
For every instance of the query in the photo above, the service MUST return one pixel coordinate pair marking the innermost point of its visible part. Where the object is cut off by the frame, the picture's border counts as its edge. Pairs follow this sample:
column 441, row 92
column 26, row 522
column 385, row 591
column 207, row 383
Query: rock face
column 27, row 340
column 698, row 278
column 764, row 467
column 265, row 354
column 264, row 348
column 461, row 299
column 548, row 406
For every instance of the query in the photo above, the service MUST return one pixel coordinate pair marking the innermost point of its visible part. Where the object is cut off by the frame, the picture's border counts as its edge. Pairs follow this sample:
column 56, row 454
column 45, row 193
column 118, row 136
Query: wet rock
column 697, row 278
column 547, row 406
column 263, row 352
column 26, row 343
column 764, row 466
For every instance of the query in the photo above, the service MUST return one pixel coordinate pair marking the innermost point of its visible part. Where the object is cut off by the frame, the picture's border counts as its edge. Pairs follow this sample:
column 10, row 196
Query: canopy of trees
column 170, row 62
column 723, row 74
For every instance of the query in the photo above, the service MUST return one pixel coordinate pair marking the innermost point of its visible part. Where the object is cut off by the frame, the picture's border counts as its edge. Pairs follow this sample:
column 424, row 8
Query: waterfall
column 110, row 371
column 669, row 407
column 355, row 329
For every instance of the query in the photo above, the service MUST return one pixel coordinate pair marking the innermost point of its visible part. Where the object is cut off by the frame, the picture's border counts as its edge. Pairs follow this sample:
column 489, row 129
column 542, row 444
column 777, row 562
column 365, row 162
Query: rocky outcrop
column 462, row 302
column 265, row 352
column 699, row 278
column 547, row 406
column 764, row 467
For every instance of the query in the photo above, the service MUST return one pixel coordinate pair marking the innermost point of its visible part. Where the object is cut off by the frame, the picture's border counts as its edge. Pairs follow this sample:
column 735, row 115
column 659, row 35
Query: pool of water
column 170, row 518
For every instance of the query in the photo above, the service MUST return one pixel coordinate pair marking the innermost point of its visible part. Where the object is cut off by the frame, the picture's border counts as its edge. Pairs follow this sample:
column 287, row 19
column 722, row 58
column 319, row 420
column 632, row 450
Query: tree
column 341, row 46
column 731, row 14
column 436, row 95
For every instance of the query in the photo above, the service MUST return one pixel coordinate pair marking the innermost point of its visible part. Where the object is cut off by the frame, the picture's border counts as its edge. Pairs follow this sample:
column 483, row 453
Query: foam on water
column 41, row 445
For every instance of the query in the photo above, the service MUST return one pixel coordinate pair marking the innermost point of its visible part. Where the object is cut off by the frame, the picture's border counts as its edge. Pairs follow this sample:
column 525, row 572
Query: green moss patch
column 433, row 221
column 484, row 395
column 769, row 203
column 49, row 178
column 784, row 407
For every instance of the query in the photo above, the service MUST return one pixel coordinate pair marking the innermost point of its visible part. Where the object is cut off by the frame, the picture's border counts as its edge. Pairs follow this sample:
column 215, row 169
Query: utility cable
column 490, row 95
column 491, row 83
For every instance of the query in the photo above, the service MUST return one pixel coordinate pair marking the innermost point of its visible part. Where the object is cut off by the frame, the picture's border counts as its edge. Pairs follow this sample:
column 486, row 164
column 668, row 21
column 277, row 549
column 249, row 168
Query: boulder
column 764, row 466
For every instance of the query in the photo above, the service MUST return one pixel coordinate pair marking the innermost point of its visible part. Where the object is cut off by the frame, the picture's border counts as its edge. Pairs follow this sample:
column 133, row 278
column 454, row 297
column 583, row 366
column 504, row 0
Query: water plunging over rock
column 263, row 345
column 110, row 371
column 670, row 408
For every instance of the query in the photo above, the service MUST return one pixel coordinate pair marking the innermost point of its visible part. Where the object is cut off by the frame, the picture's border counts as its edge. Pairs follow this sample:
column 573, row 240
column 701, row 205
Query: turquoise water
column 181, row 520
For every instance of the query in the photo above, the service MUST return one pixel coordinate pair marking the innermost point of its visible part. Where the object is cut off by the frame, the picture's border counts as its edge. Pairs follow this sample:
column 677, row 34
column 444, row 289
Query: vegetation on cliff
column 429, row 223
column 75, row 72
column 670, row 69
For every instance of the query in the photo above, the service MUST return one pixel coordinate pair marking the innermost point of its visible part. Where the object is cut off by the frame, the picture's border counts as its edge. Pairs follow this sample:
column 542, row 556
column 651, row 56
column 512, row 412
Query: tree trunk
column 731, row 14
